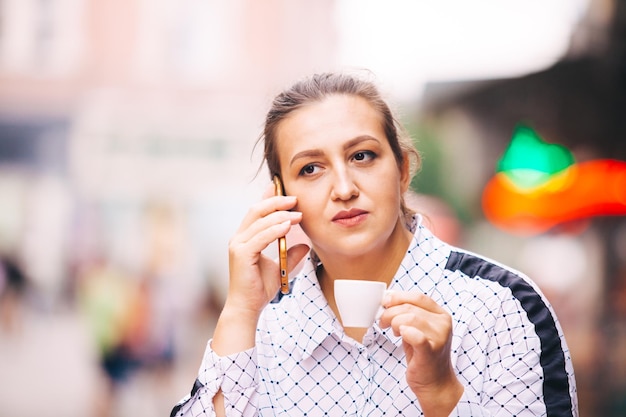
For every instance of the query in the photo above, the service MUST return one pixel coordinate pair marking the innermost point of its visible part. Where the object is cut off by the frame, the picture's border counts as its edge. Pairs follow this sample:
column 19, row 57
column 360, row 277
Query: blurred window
column 36, row 145
column 41, row 37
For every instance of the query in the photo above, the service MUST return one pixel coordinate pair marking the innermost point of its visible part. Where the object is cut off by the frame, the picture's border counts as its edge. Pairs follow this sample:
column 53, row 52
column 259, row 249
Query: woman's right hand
column 254, row 278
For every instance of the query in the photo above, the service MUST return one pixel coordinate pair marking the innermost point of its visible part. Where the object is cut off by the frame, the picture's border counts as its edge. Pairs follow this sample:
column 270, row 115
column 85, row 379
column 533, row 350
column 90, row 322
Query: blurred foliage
column 431, row 178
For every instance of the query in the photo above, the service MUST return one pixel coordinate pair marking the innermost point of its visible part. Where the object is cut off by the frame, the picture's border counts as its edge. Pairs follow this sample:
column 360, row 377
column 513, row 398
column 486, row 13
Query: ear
column 405, row 174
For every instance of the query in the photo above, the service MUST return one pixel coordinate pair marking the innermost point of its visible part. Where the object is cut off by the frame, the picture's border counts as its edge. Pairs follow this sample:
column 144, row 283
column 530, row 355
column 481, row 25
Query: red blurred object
column 594, row 188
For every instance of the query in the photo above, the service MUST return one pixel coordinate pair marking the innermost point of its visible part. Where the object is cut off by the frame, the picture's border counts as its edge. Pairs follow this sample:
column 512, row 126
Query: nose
column 343, row 187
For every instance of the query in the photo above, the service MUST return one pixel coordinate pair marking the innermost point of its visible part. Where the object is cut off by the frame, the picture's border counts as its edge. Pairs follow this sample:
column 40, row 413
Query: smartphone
column 282, row 245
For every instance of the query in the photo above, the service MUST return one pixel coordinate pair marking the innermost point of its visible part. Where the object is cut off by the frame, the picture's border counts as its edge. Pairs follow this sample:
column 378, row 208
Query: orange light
column 515, row 201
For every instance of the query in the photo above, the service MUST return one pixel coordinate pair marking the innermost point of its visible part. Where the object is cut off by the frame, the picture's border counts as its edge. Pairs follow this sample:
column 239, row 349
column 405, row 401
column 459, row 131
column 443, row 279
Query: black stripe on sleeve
column 196, row 386
column 556, row 383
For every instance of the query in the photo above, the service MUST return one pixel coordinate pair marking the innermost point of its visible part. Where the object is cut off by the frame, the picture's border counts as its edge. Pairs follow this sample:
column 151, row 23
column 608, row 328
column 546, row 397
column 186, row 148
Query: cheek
column 389, row 189
column 311, row 209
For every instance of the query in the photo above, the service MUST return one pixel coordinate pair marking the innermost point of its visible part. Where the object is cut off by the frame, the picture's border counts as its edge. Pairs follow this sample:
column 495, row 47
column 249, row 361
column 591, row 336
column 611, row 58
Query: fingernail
column 387, row 297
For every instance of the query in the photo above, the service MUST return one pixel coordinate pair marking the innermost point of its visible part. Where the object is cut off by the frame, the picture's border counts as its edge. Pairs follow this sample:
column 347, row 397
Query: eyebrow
column 313, row 153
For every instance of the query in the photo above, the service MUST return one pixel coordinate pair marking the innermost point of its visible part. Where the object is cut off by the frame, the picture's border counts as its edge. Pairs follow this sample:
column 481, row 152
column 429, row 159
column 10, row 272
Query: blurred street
column 47, row 364
column 50, row 368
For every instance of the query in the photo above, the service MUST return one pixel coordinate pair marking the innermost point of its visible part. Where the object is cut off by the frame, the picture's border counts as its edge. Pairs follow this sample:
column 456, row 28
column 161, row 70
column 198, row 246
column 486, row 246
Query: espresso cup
column 358, row 301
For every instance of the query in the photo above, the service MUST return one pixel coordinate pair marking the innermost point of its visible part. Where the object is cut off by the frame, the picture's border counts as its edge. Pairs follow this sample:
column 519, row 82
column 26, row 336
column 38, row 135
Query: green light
column 530, row 161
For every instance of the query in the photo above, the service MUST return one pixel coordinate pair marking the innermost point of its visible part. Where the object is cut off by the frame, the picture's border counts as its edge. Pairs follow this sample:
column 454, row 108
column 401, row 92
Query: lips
column 350, row 217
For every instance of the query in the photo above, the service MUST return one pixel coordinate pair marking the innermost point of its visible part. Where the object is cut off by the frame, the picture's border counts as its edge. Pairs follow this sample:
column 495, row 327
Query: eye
column 309, row 169
column 364, row 156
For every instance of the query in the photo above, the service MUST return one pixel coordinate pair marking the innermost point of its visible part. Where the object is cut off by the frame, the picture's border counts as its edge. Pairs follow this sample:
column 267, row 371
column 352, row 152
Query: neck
column 379, row 265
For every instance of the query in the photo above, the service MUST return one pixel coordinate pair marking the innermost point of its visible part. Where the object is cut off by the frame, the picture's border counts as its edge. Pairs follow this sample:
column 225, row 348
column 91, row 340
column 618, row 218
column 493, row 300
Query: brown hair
column 316, row 88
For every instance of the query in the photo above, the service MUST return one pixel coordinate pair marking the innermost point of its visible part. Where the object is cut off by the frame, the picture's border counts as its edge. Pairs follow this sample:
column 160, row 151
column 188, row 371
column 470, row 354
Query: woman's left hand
column 426, row 331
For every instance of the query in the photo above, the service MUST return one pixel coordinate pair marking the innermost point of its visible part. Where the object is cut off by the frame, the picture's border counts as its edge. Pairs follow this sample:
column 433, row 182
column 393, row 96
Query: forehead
column 336, row 117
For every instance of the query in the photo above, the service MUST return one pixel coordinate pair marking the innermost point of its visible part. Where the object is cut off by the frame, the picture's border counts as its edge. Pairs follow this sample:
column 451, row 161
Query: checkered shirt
column 508, row 349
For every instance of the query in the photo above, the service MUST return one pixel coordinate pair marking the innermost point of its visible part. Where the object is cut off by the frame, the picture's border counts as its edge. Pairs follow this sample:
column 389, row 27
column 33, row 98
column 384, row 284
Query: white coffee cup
column 358, row 301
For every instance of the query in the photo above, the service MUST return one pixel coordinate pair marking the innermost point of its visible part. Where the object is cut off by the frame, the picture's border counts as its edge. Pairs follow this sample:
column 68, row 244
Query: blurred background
column 127, row 160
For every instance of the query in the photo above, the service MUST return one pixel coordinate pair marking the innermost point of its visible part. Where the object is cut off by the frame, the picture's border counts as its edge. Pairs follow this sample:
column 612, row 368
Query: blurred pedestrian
column 13, row 287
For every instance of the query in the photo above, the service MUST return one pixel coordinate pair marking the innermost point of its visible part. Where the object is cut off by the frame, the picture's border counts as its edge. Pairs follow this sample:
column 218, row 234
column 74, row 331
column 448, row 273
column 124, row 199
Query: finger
column 412, row 336
column 418, row 299
column 257, row 237
column 412, row 340
column 268, row 228
column 419, row 316
column 266, row 207
column 413, row 318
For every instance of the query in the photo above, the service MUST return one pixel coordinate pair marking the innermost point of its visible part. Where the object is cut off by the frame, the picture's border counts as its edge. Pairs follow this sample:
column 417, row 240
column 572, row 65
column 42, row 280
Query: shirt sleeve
column 512, row 355
column 517, row 388
column 235, row 375
column 524, row 376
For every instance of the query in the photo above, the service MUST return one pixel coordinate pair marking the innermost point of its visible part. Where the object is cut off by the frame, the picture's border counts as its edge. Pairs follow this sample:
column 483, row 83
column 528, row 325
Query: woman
column 459, row 335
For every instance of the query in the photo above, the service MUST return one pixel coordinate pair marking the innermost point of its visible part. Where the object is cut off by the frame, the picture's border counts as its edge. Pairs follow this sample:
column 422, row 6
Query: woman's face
column 335, row 157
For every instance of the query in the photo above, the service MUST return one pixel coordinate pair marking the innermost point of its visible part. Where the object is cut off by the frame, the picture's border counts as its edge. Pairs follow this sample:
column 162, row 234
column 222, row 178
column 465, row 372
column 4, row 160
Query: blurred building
column 579, row 102
column 126, row 144
column 124, row 102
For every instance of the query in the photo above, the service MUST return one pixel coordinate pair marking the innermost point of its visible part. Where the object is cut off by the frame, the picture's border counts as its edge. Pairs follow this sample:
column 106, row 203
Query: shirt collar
column 311, row 312
column 314, row 317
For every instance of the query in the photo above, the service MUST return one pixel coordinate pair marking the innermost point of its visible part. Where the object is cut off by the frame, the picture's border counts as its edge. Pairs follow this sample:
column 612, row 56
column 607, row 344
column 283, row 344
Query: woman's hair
column 318, row 87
